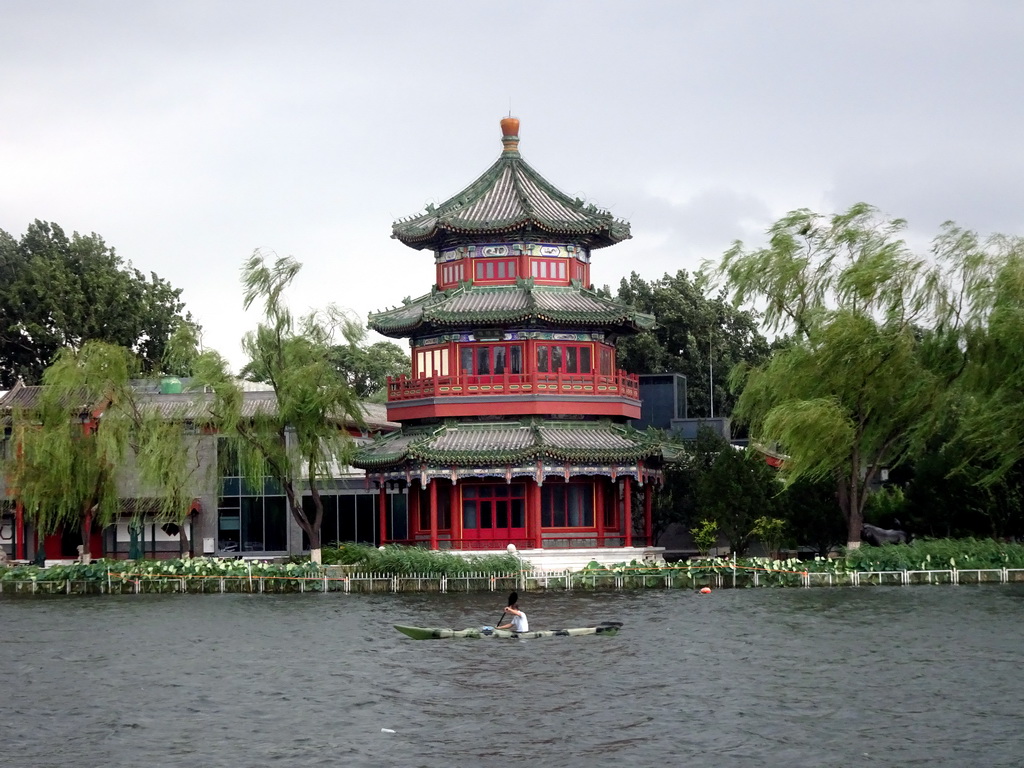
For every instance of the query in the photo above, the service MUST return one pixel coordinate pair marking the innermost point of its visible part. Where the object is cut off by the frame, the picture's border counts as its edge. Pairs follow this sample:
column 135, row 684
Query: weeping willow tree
column 876, row 344
column 301, row 437
column 71, row 448
column 991, row 398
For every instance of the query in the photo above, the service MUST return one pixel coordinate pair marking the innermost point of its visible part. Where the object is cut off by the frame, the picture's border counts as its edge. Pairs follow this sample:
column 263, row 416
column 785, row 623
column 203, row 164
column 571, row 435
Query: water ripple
column 802, row 678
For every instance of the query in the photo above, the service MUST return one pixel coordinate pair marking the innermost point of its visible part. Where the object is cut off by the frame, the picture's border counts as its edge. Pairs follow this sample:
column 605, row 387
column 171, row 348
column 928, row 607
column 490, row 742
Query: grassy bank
column 364, row 568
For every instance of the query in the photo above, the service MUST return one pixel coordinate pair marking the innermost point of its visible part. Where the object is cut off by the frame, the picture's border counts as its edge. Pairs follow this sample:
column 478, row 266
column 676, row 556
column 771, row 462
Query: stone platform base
column 574, row 559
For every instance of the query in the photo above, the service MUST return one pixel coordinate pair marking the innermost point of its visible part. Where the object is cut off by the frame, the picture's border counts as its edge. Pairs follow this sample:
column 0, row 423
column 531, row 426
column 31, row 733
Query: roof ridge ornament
column 510, row 134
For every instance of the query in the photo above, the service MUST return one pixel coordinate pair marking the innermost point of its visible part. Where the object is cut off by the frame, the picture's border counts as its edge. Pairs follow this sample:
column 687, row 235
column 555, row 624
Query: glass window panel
column 466, row 362
column 483, row 361
column 515, row 359
column 329, row 526
column 469, row 518
column 490, row 270
column 366, row 508
column 444, row 362
column 542, row 359
column 346, row 518
column 499, row 360
column 479, row 270
column 420, row 358
column 486, row 514
column 606, row 361
column 275, row 522
column 547, row 507
column 535, row 268
column 556, row 359
column 424, row 516
column 501, row 514
column 228, row 530
column 501, row 269
column 511, row 269
column 561, row 270
column 584, row 359
column 231, row 486
column 518, row 513
column 443, row 506
column 398, row 516
column 580, row 506
column 252, row 524
column 469, row 491
column 570, row 359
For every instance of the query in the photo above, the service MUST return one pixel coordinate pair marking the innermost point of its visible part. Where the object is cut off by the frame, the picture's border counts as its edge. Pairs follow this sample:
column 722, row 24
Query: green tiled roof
column 520, row 304
column 509, row 443
column 511, row 197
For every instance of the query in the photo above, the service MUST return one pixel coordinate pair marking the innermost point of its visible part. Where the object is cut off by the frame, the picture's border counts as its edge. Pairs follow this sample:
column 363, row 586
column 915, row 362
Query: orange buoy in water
column 705, row 590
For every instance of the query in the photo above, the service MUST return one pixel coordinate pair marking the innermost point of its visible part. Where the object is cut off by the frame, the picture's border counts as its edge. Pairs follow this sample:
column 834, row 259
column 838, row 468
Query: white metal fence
column 593, row 579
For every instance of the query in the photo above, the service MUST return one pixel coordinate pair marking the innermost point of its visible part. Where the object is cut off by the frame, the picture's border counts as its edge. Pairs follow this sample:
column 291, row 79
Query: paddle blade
column 513, row 598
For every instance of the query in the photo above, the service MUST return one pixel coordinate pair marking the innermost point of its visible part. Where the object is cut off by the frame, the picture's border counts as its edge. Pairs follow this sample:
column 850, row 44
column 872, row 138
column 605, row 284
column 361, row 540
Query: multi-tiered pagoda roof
column 512, row 200
column 523, row 304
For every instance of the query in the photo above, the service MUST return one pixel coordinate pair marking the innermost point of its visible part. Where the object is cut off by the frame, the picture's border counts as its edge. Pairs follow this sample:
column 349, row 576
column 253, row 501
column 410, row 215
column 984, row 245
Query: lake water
column 901, row 676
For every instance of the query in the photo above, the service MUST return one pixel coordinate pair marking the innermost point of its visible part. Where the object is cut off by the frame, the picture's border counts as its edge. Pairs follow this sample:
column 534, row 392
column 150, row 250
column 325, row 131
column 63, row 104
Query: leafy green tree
column 303, row 437
column 875, row 347
column 770, row 531
column 991, row 399
column 365, row 368
column 705, row 536
column 812, row 514
column 738, row 489
column 88, row 426
column 58, row 292
column 677, row 503
column 699, row 336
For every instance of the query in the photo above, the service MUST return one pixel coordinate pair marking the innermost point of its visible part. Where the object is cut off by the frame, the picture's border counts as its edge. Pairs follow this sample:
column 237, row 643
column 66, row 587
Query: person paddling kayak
column 519, row 621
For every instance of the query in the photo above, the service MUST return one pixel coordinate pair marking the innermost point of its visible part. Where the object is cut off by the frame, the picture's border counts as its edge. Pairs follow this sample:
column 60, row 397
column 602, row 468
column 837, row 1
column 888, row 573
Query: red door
column 493, row 516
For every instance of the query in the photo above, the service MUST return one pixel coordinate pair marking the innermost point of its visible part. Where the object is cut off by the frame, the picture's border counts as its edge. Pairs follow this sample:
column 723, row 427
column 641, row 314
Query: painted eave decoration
column 510, row 443
column 521, row 304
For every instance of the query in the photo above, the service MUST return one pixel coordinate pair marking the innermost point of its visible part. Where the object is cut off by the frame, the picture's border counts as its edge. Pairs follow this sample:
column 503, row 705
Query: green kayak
column 427, row 633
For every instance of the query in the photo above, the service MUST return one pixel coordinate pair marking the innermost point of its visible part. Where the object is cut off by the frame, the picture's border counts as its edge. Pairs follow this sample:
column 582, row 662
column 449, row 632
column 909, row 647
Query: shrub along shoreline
column 358, row 568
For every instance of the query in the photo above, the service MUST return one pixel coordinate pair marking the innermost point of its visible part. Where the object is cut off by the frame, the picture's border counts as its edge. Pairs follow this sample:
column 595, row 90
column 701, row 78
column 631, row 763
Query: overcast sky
column 189, row 134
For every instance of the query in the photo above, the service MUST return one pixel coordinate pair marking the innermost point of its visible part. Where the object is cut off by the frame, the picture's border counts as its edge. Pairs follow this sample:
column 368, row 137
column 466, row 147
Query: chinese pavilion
column 515, row 417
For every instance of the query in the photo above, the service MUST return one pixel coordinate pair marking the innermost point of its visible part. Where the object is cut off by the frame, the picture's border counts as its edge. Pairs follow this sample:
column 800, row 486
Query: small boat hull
column 431, row 633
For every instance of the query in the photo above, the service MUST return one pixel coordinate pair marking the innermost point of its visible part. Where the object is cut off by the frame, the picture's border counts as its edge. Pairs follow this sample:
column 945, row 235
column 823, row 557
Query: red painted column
column 648, row 517
column 538, row 539
column 382, row 509
column 414, row 508
column 456, row 516
column 433, row 514
column 19, row 531
column 627, row 509
column 599, row 509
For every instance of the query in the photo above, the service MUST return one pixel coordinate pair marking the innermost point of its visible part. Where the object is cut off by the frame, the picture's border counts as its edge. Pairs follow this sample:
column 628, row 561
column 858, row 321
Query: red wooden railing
column 621, row 384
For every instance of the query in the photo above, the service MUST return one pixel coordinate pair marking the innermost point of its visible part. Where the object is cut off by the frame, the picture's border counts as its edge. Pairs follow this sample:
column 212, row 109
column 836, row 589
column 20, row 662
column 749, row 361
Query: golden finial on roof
column 510, row 133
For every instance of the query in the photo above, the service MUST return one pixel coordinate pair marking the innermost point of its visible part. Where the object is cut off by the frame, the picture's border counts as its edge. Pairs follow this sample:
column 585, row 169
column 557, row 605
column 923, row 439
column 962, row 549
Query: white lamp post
column 511, row 549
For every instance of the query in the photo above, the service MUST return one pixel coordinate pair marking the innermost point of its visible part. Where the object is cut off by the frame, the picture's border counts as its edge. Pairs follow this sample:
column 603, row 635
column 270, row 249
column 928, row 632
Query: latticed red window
column 454, row 272
column 491, row 359
column 548, row 269
column 567, row 358
column 495, row 269
column 567, row 505
column 444, row 506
